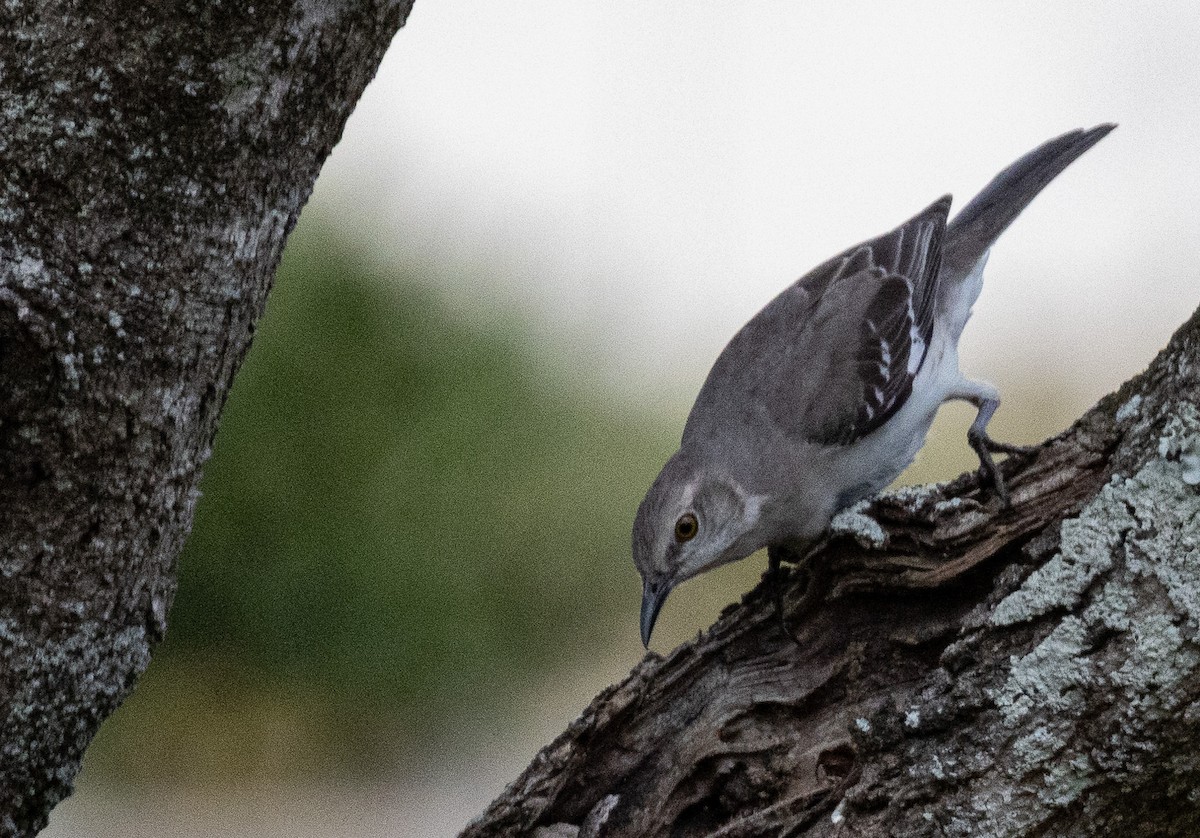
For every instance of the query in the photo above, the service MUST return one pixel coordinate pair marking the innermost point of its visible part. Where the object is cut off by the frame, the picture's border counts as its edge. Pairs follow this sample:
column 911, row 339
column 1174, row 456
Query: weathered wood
column 153, row 159
column 969, row 670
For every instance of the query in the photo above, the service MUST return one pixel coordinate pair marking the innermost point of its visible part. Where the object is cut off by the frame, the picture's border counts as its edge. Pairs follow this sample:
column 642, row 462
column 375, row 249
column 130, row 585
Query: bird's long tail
column 975, row 229
column 977, row 226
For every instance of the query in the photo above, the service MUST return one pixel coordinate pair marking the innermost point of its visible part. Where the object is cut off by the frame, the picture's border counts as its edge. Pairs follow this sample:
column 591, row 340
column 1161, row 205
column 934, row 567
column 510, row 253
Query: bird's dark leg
column 777, row 579
column 985, row 446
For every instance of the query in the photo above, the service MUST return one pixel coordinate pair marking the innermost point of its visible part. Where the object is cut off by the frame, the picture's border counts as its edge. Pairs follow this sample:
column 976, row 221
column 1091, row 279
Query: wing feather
column 834, row 356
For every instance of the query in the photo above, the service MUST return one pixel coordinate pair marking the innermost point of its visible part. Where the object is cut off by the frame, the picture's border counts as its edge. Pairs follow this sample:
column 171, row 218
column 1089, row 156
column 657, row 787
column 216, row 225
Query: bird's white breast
column 878, row 458
column 884, row 454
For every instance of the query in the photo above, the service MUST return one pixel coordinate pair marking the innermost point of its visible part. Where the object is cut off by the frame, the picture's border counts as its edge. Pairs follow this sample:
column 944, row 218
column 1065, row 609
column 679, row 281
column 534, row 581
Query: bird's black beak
column 653, row 597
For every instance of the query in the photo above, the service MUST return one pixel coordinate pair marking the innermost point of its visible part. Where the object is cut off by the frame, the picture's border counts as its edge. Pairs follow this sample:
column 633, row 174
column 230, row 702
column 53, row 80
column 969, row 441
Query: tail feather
column 973, row 231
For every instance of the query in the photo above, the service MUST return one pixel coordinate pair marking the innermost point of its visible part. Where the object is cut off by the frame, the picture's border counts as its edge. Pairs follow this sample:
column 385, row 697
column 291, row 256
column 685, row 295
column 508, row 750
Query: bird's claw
column 984, row 446
column 777, row 579
column 810, row 572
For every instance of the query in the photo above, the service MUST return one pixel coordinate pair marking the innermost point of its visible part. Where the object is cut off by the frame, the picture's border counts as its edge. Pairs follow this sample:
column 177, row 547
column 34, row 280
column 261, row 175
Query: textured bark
column 154, row 158
column 962, row 671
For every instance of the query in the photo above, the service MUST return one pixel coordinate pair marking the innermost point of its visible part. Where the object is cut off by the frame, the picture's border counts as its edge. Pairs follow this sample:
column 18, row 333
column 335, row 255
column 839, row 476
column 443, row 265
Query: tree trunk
column 960, row 670
column 154, row 159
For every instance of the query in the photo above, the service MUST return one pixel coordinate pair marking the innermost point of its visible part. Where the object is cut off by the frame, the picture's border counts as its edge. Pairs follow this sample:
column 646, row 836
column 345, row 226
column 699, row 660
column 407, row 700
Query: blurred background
column 410, row 567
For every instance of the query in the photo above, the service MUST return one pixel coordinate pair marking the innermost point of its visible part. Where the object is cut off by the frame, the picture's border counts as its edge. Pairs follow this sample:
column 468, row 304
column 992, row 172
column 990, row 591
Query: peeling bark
column 962, row 670
column 154, row 158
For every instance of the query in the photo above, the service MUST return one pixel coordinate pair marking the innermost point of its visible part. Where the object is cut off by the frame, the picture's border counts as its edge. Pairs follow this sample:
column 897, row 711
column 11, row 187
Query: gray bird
column 826, row 395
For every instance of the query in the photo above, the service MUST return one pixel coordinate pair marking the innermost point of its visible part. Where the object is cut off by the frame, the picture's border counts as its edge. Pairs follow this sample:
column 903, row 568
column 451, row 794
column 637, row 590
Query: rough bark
column 153, row 158
column 964, row 671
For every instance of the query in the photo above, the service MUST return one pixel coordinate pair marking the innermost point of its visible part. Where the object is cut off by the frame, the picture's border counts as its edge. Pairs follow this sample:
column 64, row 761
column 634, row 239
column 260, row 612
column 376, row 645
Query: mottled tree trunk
column 963, row 670
column 153, row 159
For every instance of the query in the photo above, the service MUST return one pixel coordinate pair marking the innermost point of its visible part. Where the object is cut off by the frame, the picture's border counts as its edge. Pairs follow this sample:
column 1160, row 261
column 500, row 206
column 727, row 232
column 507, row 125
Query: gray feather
column 834, row 356
column 977, row 226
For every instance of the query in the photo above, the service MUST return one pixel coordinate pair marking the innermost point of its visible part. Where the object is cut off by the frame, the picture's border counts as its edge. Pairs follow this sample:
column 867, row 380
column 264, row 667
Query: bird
column 827, row 394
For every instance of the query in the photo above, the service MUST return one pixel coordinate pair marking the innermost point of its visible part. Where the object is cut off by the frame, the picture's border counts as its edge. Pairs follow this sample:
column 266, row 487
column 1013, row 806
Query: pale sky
column 644, row 176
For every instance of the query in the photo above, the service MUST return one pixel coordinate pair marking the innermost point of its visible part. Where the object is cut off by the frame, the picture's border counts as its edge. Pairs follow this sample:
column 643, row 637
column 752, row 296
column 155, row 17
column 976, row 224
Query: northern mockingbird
column 826, row 395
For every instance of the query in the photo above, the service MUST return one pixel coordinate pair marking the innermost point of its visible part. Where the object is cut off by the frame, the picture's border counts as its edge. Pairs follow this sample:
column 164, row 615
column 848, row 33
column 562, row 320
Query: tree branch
column 967, row 671
column 154, row 158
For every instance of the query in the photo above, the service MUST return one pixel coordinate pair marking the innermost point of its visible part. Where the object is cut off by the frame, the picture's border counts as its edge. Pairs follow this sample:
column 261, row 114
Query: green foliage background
column 407, row 520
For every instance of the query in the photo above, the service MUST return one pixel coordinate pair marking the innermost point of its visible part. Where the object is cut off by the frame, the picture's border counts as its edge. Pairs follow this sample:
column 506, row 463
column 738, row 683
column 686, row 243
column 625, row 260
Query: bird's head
column 690, row 521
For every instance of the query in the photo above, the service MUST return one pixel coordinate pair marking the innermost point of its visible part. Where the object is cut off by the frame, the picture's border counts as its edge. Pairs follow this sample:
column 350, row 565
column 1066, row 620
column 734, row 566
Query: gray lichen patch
column 1180, row 441
column 1037, row 747
column 1050, row 677
column 1161, row 658
column 1085, row 552
column 1168, row 544
column 1130, row 409
column 1115, row 526
column 914, row 495
column 1113, row 608
column 1065, row 779
column 1181, row 432
column 1081, row 706
column 860, row 526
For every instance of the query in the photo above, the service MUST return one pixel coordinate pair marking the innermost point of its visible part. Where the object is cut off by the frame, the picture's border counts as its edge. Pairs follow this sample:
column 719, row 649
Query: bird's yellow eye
column 686, row 527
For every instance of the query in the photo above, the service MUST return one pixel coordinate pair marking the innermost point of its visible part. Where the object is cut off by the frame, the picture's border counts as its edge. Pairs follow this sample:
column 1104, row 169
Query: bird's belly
column 892, row 447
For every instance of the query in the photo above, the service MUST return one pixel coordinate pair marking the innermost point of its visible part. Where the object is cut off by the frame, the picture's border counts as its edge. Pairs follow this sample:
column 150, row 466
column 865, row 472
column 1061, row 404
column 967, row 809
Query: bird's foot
column 777, row 579
column 984, row 446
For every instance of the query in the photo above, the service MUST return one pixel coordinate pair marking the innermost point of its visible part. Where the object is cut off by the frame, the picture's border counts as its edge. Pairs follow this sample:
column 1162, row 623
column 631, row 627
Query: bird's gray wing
column 834, row 356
